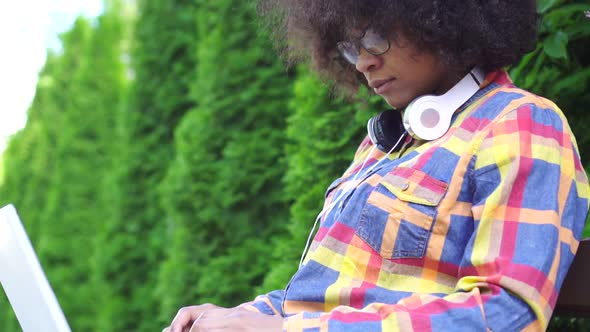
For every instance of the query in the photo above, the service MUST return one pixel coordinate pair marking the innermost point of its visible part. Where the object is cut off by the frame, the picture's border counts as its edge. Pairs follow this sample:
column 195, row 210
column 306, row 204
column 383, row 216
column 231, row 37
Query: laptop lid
column 23, row 280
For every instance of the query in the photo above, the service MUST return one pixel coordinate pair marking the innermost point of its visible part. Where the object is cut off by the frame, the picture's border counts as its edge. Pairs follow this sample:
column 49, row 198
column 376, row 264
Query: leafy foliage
column 29, row 164
column 220, row 193
column 65, row 153
column 162, row 63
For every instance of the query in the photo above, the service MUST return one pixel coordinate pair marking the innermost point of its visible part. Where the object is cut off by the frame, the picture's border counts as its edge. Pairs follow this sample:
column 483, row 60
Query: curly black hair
column 490, row 34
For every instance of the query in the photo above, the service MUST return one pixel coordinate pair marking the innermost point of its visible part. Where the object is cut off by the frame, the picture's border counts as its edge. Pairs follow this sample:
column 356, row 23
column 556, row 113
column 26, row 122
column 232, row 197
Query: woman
column 459, row 212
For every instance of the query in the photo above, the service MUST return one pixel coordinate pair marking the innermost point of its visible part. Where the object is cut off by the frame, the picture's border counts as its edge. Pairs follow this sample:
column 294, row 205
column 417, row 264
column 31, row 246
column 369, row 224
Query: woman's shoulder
column 503, row 98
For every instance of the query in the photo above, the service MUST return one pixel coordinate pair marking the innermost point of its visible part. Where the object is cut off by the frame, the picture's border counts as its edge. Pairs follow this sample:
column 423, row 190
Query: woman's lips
column 381, row 86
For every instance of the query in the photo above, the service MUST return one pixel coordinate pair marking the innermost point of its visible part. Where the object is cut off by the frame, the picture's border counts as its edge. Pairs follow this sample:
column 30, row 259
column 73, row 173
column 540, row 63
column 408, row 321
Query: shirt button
column 405, row 186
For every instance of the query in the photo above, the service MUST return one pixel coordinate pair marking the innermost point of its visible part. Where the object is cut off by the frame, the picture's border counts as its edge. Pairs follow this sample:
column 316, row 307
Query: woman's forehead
column 357, row 28
column 360, row 30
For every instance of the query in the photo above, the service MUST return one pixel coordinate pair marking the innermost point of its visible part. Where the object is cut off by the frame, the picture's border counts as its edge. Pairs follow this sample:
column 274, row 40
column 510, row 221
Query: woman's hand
column 209, row 317
column 186, row 316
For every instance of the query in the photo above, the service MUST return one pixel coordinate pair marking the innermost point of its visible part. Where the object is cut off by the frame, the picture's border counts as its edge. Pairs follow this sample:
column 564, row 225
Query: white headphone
column 429, row 117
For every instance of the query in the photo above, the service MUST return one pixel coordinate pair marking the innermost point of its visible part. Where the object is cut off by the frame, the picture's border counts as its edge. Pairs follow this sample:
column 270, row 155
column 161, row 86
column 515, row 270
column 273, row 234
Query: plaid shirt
column 474, row 231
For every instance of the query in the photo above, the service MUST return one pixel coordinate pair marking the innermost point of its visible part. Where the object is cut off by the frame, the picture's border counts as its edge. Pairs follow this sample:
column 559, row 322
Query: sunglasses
column 372, row 42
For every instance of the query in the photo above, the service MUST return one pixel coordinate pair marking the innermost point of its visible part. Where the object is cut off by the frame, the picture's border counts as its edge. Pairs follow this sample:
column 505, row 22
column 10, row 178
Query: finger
column 184, row 317
column 187, row 315
column 166, row 329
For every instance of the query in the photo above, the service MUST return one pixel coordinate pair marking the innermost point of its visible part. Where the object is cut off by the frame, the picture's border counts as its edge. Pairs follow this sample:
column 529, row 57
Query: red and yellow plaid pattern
column 473, row 231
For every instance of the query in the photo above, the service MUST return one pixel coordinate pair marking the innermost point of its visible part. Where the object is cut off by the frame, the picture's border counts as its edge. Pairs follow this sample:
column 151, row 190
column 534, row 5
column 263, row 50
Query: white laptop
column 23, row 280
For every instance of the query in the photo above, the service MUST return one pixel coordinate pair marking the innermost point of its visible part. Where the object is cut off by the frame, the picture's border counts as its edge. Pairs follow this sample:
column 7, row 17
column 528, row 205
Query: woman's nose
column 367, row 62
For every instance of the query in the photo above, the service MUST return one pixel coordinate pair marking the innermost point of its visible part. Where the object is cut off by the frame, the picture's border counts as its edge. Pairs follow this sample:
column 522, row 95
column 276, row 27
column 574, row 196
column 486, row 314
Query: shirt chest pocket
column 397, row 219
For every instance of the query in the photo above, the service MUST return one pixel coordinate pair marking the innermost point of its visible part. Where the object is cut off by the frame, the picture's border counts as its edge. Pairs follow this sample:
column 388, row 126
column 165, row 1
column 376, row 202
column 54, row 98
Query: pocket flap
column 333, row 186
column 412, row 185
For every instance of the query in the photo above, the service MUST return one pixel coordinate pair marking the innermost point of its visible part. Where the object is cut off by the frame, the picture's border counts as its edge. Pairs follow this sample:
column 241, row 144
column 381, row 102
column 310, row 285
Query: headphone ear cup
column 427, row 119
column 385, row 129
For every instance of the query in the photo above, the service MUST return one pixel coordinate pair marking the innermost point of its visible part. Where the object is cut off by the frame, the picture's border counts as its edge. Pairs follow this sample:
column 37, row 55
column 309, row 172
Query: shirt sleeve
column 530, row 199
column 269, row 304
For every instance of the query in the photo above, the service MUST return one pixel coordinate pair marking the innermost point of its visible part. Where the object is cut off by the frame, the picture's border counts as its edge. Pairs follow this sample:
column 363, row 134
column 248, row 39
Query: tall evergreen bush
column 29, row 163
column 163, row 64
column 68, row 223
column 78, row 200
column 108, row 99
column 223, row 194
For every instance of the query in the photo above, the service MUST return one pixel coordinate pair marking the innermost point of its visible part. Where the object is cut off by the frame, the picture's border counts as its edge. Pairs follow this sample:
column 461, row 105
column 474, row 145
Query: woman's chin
column 396, row 103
